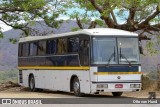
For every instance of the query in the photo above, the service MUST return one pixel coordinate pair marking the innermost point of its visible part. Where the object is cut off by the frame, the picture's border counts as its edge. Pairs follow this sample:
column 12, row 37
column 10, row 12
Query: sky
column 4, row 27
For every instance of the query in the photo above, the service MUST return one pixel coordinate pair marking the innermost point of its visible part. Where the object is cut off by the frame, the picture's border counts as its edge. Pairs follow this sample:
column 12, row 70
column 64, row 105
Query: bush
column 149, row 84
column 9, row 76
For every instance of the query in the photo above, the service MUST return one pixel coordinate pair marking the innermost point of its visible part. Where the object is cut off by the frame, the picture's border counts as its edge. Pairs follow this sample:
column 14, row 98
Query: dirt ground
column 12, row 90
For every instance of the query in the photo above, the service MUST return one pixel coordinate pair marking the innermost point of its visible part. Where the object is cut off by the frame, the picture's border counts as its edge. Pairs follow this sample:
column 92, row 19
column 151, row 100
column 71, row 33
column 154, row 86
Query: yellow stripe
column 115, row 73
column 54, row 67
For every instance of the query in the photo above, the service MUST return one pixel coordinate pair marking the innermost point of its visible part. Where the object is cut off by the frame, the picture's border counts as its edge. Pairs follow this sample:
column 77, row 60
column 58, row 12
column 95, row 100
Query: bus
column 88, row 61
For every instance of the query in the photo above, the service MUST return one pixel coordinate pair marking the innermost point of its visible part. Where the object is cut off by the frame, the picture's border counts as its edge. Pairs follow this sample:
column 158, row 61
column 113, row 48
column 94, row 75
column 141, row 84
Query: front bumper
column 112, row 87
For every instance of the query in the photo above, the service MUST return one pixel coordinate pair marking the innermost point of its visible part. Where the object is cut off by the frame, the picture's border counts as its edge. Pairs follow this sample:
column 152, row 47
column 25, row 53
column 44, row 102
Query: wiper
column 123, row 56
column 112, row 55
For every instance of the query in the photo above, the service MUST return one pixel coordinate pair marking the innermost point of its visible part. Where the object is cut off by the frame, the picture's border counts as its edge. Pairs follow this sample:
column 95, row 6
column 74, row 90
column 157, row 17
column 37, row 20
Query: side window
column 51, row 46
column 20, row 50
column 25, row 49
column 73, row 45
column 41, row 47
column 33, row 49
column 84, row 52
column 62, row 46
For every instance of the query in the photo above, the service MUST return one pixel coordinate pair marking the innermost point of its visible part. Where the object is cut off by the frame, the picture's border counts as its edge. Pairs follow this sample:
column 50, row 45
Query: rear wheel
column 39, row 90
column 117, row 94
column 76, row 88
column 32, row 83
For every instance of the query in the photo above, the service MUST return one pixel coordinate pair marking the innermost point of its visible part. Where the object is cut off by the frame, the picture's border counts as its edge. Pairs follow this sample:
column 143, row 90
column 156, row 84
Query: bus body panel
column 119, row 77
column 57, row 79
column 92, row 76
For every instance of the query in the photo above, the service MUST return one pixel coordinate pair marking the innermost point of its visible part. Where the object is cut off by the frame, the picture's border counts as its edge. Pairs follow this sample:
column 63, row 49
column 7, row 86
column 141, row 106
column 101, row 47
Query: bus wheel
column 76, row 87
column 39, row 90
column 117, row 94
column 32, row 83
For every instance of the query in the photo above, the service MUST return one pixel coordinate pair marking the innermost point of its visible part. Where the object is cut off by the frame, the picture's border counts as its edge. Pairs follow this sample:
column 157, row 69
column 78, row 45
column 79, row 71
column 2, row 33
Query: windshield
column 105, row 49
column 128, row 50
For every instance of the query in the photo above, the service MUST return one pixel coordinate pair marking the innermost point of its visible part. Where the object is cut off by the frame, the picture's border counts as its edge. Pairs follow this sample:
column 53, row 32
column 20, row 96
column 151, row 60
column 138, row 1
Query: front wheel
column 76, row 88
column 117, row 94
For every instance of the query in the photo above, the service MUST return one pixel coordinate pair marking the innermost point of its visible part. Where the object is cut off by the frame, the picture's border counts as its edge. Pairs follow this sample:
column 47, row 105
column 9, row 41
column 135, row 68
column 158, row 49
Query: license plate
column 119, row 86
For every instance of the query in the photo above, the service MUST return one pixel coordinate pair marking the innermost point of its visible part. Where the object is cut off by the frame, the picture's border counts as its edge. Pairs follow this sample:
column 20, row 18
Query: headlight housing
column 102, row 85
column 135, row 85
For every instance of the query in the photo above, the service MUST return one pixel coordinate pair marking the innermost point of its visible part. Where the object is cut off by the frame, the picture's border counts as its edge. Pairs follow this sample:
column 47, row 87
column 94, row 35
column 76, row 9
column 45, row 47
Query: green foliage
column 1, row 34
column 20, row 14
column 75, row 28
column 9, row 76
column 99, row 22
column 13, row 40
column 151, row 47
column 49, row 20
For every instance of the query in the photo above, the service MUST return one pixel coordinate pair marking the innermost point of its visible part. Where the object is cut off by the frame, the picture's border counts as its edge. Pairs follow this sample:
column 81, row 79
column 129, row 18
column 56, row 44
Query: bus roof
column 91, row 32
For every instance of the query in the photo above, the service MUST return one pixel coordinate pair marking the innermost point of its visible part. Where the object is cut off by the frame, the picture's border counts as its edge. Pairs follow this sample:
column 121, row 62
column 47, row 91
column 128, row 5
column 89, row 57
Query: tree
column 84, row 18
column 22, row 14
column 136, row 15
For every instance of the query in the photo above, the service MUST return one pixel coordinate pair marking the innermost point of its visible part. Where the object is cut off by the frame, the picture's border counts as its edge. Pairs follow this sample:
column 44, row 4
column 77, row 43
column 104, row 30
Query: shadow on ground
column 72, row 94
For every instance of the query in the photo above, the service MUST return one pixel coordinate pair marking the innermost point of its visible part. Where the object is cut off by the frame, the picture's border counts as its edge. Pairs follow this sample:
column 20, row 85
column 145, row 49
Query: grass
column 9, row 76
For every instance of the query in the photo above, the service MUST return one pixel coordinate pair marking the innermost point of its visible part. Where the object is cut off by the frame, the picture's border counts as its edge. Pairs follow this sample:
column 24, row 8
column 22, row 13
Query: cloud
column 4, row 27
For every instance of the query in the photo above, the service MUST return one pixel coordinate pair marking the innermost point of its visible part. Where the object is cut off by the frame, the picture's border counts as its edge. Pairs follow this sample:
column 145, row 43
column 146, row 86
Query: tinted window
column 25, row 49
column 41, row 47
column 33, row 49
column 62, row 46
column 84, row 52
column 20, row 50
column 51, row 46
column 73, row 45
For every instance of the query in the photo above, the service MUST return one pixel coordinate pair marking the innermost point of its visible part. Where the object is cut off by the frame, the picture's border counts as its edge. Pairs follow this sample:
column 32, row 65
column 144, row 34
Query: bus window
column 84, row 52
column 25, row 49
column 33, row 49
column 62, row 46
column 20, row 50
column 42, row 48
column 73, row 45
column 51, row 46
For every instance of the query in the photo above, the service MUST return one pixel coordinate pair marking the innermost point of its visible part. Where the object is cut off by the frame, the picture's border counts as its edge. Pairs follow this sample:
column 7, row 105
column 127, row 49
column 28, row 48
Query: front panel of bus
column 115, row 64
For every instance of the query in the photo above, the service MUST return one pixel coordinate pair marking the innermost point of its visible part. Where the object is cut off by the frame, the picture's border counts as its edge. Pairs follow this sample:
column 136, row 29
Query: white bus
column 89, row 61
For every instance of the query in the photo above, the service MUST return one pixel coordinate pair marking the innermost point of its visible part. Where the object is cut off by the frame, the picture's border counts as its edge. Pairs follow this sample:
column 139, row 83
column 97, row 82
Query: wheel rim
column 76, row 87
column 32, row 83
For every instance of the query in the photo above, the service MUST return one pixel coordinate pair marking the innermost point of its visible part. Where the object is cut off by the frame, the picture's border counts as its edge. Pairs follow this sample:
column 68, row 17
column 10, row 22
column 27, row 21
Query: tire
column 32, row 83
column 76, row 88
column 39, row 90
column 117, row 94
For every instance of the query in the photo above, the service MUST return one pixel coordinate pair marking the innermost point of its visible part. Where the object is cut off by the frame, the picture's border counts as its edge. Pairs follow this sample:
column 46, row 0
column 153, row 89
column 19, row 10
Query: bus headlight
column 134, row 85
column 131, row 85
column 102, row 85
column 105, row 86
column 137, row 85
